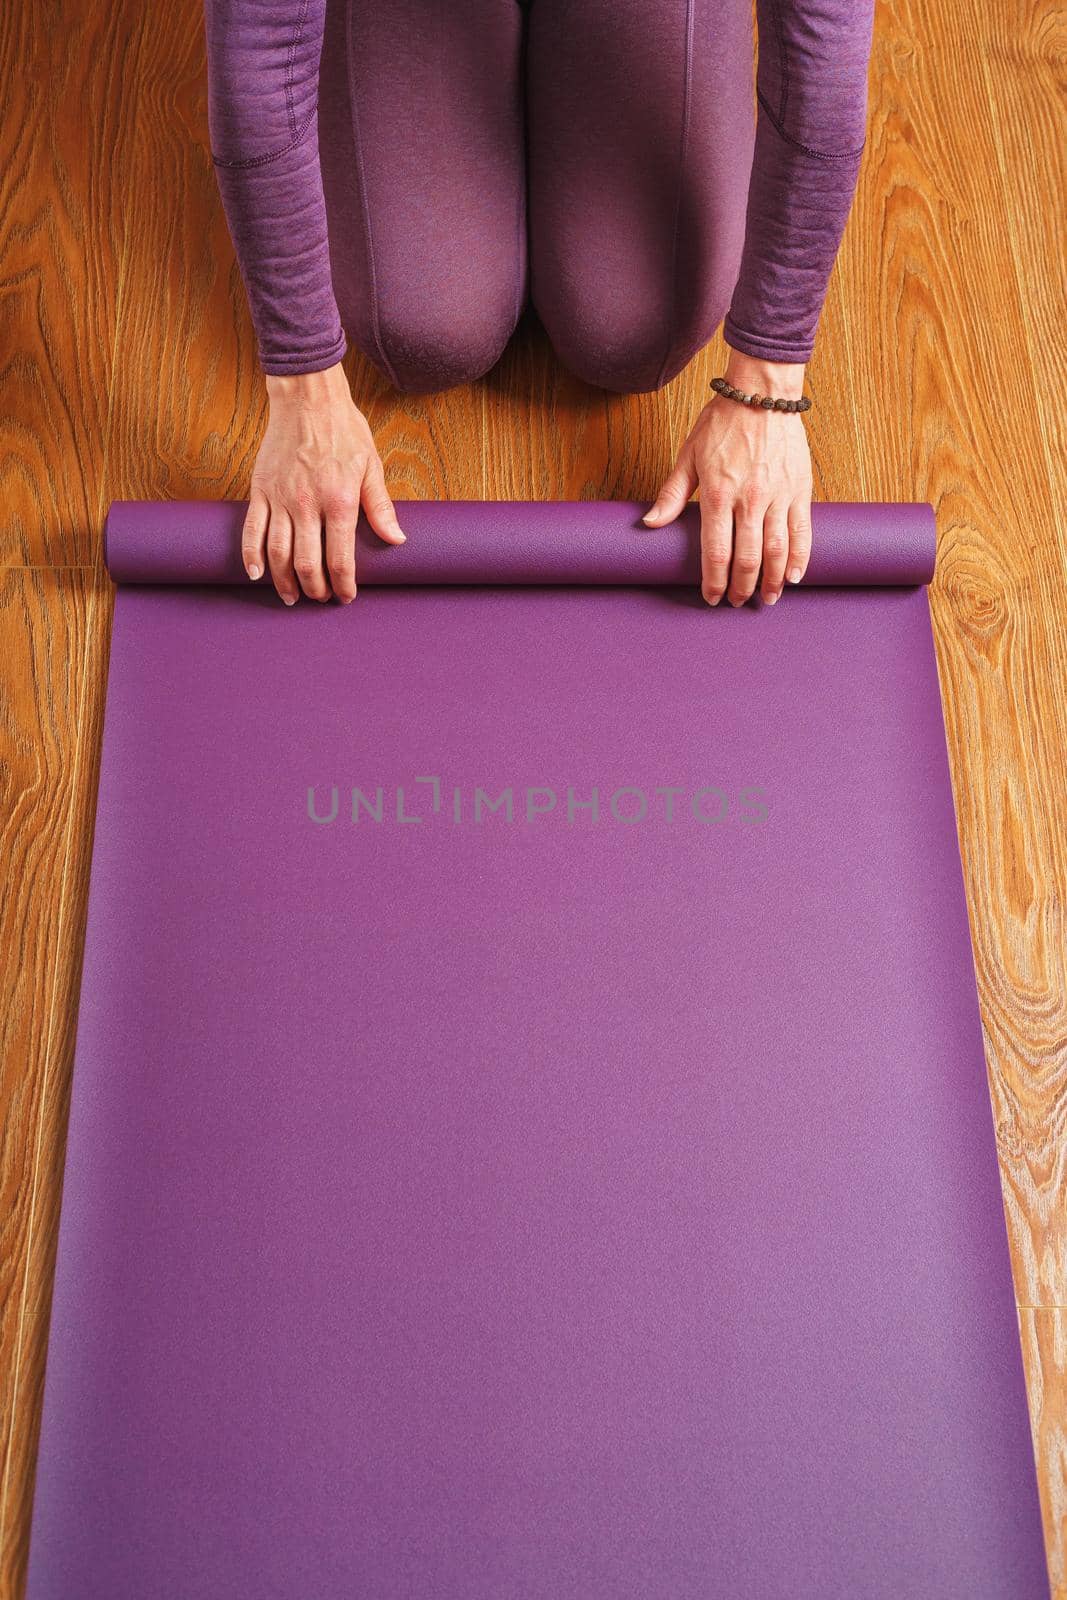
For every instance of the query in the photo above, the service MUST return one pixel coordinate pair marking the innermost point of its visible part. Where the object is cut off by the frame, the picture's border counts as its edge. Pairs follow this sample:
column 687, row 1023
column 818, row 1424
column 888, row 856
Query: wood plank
column 63, row 211
column 53, row 628
column 549, row 436
column 1024, row 66
column 945, row 332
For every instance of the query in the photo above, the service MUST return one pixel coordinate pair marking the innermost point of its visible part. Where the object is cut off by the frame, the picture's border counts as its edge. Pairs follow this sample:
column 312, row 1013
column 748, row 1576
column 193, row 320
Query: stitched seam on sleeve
column 297, row 132
column 273, row 155
column 783, row 62
column 821, row 155
column 294, row 41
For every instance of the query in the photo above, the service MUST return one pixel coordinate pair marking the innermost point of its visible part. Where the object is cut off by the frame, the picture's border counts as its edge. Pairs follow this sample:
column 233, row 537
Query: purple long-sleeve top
column 811, row 83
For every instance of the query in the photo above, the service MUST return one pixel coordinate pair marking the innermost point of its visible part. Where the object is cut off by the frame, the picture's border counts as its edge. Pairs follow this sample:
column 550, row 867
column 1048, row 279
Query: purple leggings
column 502, row 155
column 413, row 172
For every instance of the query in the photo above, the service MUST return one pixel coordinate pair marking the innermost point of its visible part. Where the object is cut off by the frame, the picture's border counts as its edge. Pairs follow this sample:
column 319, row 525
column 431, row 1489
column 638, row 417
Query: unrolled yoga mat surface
column 530, row 1136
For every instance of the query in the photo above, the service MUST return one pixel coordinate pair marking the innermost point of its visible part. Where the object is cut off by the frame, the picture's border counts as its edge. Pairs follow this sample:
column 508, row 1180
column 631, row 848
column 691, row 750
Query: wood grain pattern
column 960, row 332
column 127, row 368
column 62, row 224
column 53, row 639
column 550, row 436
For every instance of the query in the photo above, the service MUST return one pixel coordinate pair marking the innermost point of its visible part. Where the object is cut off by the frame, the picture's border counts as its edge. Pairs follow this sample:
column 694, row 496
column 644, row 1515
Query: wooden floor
column 127, row 368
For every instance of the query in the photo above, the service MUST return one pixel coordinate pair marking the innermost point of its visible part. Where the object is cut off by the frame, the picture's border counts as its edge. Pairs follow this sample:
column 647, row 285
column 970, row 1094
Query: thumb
column 677, row 489
column 381, row 513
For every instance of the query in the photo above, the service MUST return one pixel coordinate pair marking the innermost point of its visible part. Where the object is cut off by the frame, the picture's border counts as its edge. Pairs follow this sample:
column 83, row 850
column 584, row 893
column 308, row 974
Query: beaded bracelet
column 764, row 401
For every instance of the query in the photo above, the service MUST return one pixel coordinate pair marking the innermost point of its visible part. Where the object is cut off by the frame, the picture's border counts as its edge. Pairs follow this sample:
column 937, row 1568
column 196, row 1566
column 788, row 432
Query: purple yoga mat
column 497, row 1198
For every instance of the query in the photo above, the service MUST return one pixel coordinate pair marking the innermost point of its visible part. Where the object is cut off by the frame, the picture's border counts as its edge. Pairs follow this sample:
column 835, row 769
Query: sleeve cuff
column 282, row 366
column 765, row 348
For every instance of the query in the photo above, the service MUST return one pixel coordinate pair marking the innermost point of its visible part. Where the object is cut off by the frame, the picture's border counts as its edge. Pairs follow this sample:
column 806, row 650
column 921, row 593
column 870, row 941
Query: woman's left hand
column 753, row 470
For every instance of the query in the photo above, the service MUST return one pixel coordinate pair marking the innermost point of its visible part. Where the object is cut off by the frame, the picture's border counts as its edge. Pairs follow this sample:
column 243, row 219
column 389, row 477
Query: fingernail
column 653, row 511
column 290, row 599
column 794, row 574
column 401, row 538
column 254, row 573
column 772, row 597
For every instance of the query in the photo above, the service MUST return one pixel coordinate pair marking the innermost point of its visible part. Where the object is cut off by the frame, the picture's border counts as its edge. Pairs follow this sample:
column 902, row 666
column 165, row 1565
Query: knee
column 428, row 345
column 629, row 348
column 637, row 340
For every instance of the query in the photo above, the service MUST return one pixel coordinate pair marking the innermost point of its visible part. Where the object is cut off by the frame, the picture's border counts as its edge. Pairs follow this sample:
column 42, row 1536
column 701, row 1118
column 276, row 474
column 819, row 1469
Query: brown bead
column 767, row 403
column 756, row 398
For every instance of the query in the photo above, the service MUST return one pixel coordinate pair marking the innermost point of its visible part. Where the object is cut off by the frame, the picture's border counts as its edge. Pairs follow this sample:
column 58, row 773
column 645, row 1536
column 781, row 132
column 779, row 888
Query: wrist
column 752, row 374
column 308, row 388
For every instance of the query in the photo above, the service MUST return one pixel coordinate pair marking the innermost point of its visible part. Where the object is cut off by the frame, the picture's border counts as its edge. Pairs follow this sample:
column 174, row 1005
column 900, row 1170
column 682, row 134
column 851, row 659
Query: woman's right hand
column 317, row 465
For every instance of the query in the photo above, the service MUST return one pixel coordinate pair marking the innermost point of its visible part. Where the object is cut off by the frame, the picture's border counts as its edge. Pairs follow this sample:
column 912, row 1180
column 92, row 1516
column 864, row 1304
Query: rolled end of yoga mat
column 596, row 543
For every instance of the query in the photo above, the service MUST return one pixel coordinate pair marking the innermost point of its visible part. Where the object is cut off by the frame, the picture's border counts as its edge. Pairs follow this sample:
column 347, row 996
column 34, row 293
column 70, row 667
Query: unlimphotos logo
column 426, row 799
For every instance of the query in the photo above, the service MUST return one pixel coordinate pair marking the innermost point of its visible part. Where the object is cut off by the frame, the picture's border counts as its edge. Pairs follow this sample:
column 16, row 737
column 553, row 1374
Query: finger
column 280, row 554
column 799, row 522
column 775, row 550
column 749, row 512
column 341, row 512
column 716, row 542
column 307, row 552
column 254, row 534
column 678, row 487
column 381, row 513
